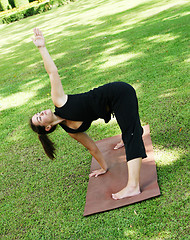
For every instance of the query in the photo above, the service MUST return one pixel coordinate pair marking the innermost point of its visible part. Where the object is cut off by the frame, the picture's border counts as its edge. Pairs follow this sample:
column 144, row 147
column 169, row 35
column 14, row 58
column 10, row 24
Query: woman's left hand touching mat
column 98, row 172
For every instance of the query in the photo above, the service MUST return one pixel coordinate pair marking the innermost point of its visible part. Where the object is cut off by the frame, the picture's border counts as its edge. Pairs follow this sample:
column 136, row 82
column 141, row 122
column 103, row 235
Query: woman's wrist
column 41, row 47
column 105, row 169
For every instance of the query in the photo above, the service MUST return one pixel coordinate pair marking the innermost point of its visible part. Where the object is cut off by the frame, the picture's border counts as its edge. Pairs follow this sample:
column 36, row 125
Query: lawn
column 142, row 42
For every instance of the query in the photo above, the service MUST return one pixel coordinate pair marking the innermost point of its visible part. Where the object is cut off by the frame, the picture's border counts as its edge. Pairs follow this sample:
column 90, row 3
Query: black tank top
column 83, row 127
column 98, row 103
column 85, row 107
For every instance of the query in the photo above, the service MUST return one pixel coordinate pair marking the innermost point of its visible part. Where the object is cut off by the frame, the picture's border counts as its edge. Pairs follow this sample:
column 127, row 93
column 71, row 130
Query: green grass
column 144, row 43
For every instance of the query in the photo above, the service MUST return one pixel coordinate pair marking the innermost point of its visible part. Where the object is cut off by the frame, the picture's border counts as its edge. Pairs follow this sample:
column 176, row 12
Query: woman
column 74, row 113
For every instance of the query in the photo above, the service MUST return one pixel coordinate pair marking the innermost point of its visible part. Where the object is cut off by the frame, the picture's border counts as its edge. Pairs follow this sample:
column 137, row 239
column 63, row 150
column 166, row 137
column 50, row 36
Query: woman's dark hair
column 47, row 144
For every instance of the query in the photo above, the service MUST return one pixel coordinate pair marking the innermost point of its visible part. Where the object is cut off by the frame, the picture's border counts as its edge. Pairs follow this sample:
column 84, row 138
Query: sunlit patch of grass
column 111, row 61
column 162, row 38
column 166, row 156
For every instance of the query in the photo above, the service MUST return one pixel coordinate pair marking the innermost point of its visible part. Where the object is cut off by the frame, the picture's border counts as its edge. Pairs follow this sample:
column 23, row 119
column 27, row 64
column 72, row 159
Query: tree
column 4, row 5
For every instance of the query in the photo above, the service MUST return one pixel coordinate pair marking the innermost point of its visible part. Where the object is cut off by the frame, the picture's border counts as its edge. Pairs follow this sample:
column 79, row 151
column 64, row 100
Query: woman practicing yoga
column 75, row 113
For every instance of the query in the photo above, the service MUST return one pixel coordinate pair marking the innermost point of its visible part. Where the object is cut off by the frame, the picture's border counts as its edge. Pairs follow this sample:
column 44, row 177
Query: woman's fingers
column 37, row 32
column 38, row 39
column 96, row 173
column 91, row 175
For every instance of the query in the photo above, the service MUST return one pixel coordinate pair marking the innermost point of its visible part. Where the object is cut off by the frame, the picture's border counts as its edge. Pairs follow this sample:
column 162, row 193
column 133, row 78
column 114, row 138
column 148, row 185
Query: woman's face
column 43, row 118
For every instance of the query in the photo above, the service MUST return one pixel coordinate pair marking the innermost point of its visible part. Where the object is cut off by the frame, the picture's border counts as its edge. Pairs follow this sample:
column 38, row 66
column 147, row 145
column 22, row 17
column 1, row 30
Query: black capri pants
column 124, row 105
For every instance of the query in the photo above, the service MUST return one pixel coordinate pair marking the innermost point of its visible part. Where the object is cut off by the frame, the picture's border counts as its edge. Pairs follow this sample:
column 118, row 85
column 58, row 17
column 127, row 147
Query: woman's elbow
column 52, row 71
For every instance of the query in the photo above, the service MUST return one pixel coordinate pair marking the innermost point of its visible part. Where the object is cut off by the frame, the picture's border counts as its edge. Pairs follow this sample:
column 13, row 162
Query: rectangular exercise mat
column 100, row 189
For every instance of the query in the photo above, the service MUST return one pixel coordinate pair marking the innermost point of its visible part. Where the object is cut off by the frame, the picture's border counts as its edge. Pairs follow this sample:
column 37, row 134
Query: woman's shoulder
column 61, row 102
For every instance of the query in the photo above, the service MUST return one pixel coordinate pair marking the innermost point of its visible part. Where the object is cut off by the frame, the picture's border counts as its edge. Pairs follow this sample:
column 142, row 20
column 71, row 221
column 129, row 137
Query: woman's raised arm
column 59, row 98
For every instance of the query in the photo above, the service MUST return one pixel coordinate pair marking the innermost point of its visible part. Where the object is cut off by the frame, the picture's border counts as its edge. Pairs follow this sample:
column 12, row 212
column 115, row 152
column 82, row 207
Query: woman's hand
column 98, row 172
column 39, row 40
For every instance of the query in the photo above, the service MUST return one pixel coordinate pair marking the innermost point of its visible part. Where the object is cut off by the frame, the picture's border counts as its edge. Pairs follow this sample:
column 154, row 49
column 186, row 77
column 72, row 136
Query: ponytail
column 47, row 144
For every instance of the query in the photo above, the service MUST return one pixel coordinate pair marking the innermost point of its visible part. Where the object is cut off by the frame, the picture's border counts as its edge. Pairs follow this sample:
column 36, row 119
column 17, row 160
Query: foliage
column 142, row 42
column 26, row 11
column 4, row 5
column 12, row 3
column 33, row 8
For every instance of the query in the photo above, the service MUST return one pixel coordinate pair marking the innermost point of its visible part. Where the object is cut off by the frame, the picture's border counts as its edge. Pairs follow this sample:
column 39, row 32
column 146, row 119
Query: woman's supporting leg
column 133, row 185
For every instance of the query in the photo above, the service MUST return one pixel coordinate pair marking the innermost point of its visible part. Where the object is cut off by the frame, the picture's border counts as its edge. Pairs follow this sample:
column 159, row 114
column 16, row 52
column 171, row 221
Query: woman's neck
column 57, row 119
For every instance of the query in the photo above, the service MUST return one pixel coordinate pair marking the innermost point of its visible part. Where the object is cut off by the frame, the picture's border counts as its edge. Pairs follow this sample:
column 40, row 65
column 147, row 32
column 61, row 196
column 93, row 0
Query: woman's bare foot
column 119, row 145
column 133, row 185
column 126, row 192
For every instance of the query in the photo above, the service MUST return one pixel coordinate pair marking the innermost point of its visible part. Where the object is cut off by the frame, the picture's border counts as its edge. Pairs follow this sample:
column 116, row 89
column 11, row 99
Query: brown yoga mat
column 98, row 198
